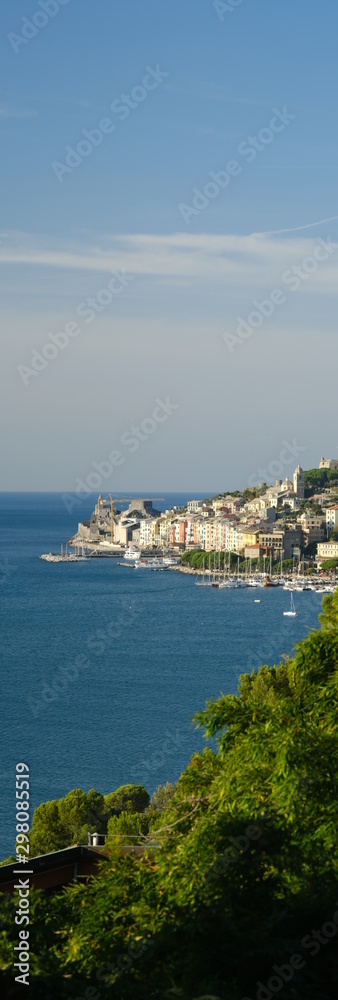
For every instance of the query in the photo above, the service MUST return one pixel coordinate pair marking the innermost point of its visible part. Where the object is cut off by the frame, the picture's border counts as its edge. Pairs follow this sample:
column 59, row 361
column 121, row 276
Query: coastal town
column 293, row 521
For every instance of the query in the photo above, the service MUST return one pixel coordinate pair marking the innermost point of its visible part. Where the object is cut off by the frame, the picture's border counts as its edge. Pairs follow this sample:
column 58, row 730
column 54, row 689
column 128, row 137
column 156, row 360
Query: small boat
column 131, row 553
column 257, row 600
column 150, row 563
column 292, row 613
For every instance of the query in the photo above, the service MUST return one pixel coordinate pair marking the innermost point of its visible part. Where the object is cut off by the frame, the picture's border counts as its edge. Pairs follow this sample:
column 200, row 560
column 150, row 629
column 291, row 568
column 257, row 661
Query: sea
column 103, row 667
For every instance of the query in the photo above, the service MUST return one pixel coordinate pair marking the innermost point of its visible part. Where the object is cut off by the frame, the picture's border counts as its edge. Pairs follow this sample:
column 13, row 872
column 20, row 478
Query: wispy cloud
column 214, row 133
column 57, row 99
column 296, row 229
column 17, row 113
column 247, row 260
column 213, row 92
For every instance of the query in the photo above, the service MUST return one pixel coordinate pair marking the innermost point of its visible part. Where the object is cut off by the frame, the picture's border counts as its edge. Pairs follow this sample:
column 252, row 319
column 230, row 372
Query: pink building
column 178, row 533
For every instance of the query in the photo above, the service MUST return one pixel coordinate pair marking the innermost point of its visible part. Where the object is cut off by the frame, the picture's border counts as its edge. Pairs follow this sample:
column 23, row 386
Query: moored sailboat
column 292, row 613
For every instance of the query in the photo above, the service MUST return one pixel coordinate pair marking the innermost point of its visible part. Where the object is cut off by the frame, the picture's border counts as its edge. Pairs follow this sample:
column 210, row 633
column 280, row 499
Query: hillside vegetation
column 238, row 896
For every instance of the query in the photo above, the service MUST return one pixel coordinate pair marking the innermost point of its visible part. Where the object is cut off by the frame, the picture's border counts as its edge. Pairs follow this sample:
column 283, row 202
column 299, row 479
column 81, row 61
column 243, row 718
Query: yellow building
column 247, row 537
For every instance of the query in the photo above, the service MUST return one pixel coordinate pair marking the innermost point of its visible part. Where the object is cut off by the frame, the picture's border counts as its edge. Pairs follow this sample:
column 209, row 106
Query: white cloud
column 250, row 261
column 213, row 92
column 16, row 113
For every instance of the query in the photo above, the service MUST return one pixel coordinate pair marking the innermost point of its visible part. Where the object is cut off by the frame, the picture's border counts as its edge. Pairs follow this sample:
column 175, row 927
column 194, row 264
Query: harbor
column 213, row 578
column 267, row 537
column 158, row 645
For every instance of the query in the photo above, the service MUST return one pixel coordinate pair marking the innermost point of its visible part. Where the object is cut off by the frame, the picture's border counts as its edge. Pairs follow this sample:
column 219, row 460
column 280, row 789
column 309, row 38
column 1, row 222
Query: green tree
column 66, row 821
column 128, row 798
column 129, row 827
column 317, row 480
column 159, row 801
column 329, row 564
column 48, row 833
column 242, row 869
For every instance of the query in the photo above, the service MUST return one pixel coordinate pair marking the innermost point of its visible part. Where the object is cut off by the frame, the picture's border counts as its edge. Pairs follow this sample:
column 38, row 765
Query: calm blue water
column 153, row 648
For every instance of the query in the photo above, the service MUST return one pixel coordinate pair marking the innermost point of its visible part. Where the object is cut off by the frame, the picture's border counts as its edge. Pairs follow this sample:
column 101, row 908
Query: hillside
column 238, row 898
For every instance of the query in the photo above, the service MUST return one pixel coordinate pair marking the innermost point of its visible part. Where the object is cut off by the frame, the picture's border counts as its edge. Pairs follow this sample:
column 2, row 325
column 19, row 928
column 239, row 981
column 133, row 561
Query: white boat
column 292, row 613
column 51, row 557
column 131, row 553
column 151, row 563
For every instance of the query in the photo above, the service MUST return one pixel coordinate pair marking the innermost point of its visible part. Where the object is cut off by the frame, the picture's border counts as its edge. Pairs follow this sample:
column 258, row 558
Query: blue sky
column 193, row 272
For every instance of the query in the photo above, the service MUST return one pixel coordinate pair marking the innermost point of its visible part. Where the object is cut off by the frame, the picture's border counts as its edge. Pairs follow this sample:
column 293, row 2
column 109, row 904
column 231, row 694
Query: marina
column 65, row 556
column 136, row 633
column 213, row 578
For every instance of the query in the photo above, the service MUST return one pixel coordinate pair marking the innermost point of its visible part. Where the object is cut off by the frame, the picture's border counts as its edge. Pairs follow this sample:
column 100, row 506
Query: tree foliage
column 320, row 479
column 242, row 865
column 329, row 564
column 128, row 798
column 66, row 821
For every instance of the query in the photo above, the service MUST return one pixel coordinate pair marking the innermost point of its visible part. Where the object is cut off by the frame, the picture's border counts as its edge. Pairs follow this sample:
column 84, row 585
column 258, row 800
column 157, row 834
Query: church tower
column 299, row 483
